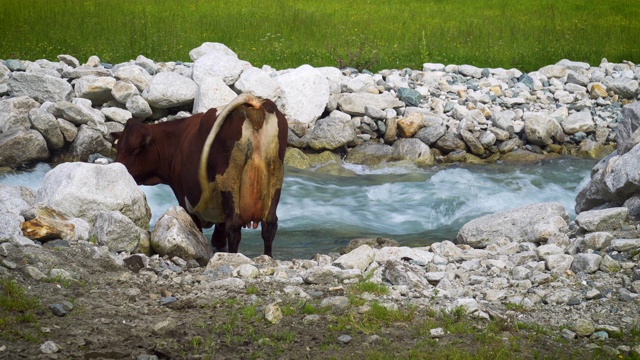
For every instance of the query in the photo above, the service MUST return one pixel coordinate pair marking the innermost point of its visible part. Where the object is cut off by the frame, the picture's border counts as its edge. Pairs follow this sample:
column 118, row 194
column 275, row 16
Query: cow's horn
column 204, row 157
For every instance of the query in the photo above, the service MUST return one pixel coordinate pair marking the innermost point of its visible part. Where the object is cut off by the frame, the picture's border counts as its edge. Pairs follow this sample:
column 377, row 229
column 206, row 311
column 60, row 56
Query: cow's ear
column 116, row 135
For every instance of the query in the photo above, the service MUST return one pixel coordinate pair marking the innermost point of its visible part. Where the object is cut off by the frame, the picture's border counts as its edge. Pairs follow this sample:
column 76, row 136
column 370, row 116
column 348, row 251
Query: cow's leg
column 233, row 227
column 270, row 225
column 269, row 229
column 219, row 238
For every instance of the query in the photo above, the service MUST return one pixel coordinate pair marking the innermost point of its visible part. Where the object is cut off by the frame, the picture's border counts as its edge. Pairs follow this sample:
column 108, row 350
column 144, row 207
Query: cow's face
column 137, row 152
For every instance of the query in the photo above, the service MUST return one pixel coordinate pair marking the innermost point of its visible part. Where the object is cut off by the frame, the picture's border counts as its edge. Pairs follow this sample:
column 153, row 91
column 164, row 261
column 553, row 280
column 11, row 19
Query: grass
column 17, row 312
column 396, row 34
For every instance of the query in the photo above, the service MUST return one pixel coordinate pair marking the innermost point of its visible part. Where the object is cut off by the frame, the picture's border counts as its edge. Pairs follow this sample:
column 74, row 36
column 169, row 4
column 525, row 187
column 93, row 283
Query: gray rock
column 628, row 125
column 97, row 89
column 116, row 231
column 19, row 147
column 81, row 190
column 623, row 86
column 49, row 347
column 273, row 313
column 609, row 265
column 414, row 150
column 40, row 87
column 259, row 83
column 354, row 103
column 212, row 93
column 625, row 244
column 89, row 141
column 118, row 115
column 221, row 259
column 14, row 114
column 170, row 89
column 450, row 143
column 558, row 263
column 208, row 47
column 74, row 113
column 369, row 153
column 344, row 339
column 541, row 129
column 526, row 224
column 431, row 133
column 602, row 220
column 139, row 107
column 135, row 75
column 504, row 120
column 359, row 258
column 175, row 234
column 472, row 142
column 48, row 126
column 304, row 94
column 68, row 130
column 579, row 122
column 123, row 90
column 584, row 327
column 332, row 132
column 587, row 263
column 597, row 240
column 324, row 275
column 218, row 64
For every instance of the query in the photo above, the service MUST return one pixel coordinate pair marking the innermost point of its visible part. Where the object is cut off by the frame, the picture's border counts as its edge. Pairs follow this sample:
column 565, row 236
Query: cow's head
column 138, row 152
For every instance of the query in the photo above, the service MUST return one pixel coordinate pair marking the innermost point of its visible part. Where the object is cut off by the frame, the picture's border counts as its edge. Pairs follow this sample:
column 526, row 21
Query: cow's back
column 246, row 162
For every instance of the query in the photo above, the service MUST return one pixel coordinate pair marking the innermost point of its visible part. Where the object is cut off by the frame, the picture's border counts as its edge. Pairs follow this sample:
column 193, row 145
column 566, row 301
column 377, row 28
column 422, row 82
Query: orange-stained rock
column 409, row 125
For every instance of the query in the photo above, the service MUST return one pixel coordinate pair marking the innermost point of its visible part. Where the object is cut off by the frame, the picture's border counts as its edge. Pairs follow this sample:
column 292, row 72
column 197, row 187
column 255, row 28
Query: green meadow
column 525, row 34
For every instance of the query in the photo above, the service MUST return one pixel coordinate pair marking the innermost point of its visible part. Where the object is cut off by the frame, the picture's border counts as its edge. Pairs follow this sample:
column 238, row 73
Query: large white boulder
column 175, row 234
column 84, row 190
column 305, row 94
column 218, row 64
column 259, row 83
column 170, row 89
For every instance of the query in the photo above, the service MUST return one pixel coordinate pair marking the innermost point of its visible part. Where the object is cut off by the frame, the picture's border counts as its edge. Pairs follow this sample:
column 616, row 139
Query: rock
column 584, row 327
column 526, row 224
column 97, row 89
column 398, row 253
column 218, row 64
column 374, row 243
column 369, row 154
column 221, row 259
column 273, row 313
column 609, row 265
column 627, row 126
column 208, row 47
column 409, row 96
column 121, row 116
column 20, row 147
column 359, row 258
column 625, row 244
column 39, row 87
column 89, row 141
column 304, row 94
column 139, row 107
column 332, row 132
column 623, row 86
column 15, row 199
column 450, row 143
column 83, row 190
column 354, row 103
column 175, row 234
column 504, row 120
column 602, row 220
column 135, row 75
column 597, row 240
column 319, row 276
column 598, row 90
column 76, row 114
column 613, row 179
column 48, row 126
column 558, row 263
column 540, row 129
column 123, row 90
column 46, row 225
column 116, row 231
column 409, row 125
column 259, row 83
column 14, row 114
column 212, row 93
column 413, row 150
column 170, row 89
column 579, row 122
column 469, row 305
column 472, row 142
column 344, row 339
column 587, row 263
column 49, row 347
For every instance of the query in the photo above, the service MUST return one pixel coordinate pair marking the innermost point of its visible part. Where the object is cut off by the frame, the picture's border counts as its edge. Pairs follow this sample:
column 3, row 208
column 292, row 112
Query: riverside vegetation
column 390, row 34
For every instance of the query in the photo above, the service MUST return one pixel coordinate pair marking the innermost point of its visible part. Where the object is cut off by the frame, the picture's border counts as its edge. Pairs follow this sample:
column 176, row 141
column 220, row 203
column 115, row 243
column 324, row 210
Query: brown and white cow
column 225, row 167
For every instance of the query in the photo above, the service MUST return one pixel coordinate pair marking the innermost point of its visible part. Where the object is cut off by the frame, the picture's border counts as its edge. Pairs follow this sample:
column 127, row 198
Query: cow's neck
column 168, row 132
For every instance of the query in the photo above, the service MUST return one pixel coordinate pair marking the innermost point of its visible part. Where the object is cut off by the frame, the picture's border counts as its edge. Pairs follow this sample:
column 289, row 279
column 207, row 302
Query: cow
column 225, row 166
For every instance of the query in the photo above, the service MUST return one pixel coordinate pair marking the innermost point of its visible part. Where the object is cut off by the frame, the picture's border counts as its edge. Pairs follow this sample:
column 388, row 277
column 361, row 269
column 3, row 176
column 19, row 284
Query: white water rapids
column 320, row 213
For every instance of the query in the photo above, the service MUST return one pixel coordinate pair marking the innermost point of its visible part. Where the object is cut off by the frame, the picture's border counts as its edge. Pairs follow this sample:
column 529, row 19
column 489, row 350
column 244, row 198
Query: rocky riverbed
column 526, row 283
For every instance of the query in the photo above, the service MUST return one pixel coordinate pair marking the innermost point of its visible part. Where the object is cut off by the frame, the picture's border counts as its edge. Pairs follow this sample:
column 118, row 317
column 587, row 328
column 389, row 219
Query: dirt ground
column 119, row 314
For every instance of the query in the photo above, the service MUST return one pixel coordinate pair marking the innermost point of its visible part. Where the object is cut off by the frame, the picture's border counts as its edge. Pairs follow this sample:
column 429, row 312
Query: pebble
column 49, row 347
column 345, row 339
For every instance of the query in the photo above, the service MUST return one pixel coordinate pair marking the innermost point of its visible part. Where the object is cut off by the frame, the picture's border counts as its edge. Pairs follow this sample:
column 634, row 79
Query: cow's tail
column 240, row 100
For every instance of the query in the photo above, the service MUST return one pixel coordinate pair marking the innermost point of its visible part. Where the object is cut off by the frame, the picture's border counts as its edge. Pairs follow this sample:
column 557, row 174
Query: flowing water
column 320, row 213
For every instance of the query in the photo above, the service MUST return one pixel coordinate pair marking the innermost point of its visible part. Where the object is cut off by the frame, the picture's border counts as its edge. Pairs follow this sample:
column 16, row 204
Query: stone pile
column 65, row 110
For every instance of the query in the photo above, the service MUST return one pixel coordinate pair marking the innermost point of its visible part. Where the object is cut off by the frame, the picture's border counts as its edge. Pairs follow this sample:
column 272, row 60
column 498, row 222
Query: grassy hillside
column 525, row 34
